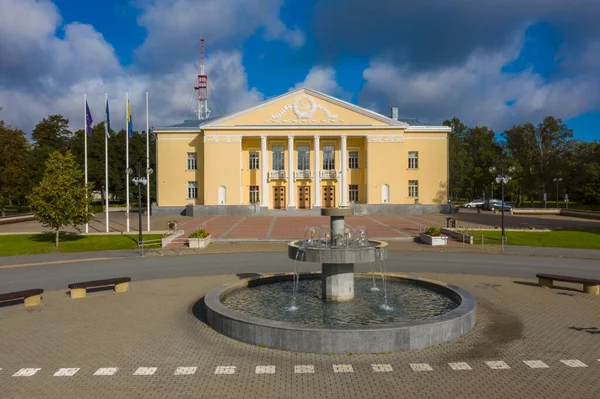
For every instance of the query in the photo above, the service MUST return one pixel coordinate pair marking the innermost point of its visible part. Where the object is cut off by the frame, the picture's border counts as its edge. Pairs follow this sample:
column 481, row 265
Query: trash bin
column 450, row 222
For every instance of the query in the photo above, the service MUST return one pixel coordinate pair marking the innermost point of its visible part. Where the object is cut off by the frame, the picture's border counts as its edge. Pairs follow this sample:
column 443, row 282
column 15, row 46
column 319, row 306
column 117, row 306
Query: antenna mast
column 202, row 88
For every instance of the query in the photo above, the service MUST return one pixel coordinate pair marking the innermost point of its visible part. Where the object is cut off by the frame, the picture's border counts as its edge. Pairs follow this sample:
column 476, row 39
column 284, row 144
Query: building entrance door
column 304, row 197
column 279, row 197
column 329, row 197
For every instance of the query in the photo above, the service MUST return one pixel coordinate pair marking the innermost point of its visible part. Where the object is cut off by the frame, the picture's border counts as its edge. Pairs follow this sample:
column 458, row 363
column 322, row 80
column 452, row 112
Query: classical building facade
column 302, row 150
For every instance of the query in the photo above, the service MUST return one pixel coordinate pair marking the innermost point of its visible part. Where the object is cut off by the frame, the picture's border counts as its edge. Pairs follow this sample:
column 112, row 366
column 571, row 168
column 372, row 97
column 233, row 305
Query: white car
column 478, row 203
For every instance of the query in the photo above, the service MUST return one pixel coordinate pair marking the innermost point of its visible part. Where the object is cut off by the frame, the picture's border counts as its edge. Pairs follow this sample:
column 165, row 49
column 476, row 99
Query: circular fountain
column 337, row 310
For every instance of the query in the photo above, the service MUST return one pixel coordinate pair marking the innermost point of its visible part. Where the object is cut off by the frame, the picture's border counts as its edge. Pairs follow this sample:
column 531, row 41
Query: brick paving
column 290, row 227
column 152, row 342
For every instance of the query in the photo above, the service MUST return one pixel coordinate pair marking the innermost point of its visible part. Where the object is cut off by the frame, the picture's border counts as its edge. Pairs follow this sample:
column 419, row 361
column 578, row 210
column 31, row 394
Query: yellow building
column 302, row 150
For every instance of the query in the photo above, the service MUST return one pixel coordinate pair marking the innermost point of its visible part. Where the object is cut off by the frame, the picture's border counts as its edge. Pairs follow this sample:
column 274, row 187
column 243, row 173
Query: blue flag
column 129, row 121
column 107, row 125
column 88, row 120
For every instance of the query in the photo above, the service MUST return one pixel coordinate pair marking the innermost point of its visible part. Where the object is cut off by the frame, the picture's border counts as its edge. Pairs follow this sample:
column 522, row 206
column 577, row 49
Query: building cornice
column 428, row 129
column 305, row 127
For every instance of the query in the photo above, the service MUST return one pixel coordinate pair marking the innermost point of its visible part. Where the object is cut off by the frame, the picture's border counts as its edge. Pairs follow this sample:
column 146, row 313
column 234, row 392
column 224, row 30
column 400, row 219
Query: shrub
column 200, row 233
column 433, row 231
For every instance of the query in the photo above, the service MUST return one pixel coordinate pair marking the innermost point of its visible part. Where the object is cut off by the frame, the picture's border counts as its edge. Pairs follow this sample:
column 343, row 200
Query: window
column 303, row 157
column 353, row 160
column 328, row 157
column 254, row 194
column 192, row 161
column 253, row 161
column 353, row 192
column 192, row 190
column 413, row 189
column 278, row 161
column 413, row 160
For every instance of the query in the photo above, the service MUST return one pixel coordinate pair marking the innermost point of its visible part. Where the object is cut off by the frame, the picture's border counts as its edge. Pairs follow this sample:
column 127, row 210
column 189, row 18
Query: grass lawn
column 32, row 244
column 584, row 239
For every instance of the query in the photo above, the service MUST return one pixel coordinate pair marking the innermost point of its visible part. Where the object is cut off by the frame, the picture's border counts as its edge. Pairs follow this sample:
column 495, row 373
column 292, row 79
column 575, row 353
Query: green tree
column 14, row 182
column 62, row 198
column 483, row 151
column 53, row 132
column 461, row 167
column 540, row 152
column 116, row 159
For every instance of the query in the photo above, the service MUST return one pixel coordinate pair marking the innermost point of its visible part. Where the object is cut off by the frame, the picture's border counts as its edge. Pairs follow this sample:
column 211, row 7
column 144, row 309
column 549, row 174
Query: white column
column 241, row 175
column 291, row 204
column 317, row 179
column 264, row 166
column 344, row 201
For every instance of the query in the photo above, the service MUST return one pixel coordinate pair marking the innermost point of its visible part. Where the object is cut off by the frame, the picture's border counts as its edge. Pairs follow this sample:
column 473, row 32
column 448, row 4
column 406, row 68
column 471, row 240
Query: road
column 57, row 276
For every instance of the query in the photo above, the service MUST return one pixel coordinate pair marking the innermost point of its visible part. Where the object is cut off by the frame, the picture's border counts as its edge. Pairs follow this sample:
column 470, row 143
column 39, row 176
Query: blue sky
column 490, row 63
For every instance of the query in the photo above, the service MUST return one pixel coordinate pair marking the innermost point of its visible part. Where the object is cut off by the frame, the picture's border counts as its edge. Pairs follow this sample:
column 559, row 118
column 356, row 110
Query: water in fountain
column 378, row 258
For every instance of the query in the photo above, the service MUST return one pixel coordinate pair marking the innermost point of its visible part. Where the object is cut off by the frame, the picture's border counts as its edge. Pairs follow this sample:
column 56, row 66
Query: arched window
column 385, row 194
column 222, row 195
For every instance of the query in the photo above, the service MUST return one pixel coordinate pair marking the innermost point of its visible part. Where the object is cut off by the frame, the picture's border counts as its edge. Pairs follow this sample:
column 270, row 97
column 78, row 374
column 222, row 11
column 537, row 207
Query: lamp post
column 139, row 181
column 557, row 180
column 502, row 178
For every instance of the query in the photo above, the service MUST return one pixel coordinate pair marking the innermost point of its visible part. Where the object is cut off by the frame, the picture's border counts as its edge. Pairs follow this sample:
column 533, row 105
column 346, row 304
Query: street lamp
column 139, row 181
column 557, row 180
column 502, row 178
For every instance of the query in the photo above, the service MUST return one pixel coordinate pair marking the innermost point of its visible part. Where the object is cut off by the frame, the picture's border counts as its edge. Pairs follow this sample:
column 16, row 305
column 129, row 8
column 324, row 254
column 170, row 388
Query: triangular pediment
column 304, row 107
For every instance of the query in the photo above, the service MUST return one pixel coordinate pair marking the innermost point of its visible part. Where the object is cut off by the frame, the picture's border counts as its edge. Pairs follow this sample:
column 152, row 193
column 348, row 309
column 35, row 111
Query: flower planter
column 199, row 242
column 434, row 240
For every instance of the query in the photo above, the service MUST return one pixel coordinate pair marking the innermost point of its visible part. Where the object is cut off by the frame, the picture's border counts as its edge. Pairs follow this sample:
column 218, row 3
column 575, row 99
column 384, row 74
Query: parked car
column 478, row 203
column 491, row 204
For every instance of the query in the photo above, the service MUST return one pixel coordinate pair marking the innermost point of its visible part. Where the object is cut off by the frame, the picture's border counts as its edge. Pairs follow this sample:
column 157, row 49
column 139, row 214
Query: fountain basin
column 346, row 338
column 321, row 254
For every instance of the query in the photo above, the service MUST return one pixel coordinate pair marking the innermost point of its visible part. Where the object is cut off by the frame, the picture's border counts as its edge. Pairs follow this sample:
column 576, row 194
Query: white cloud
column 174, row 26
column 49, row 75
column 478, row 91
column 323, row 79
column 171, row 98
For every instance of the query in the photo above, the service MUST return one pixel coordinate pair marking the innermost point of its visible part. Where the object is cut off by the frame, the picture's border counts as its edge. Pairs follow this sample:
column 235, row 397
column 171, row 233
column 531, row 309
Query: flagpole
column 85, row 133
column 127, row 158
column 147, row 166
column 106, row 126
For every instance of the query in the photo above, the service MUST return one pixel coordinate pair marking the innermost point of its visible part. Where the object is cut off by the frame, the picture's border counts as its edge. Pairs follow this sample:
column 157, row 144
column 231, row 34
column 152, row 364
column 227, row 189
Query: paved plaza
column 153, row 341
column 278, row 228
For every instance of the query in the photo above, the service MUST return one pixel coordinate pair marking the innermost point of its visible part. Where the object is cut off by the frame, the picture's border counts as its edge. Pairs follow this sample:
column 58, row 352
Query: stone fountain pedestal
column 337, row 260
column 337, row 278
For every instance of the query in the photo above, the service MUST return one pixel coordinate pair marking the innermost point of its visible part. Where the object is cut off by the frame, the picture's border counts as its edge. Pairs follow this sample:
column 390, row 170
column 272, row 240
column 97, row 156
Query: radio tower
column 202, row 88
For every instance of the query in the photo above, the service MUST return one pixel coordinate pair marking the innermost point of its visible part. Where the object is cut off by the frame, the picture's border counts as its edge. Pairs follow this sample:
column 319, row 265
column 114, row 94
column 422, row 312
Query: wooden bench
column 589, row 286
column 32, row 297
column 79, row 290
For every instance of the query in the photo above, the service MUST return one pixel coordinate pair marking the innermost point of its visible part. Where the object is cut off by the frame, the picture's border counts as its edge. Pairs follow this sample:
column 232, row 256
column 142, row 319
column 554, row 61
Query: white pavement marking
column 343, row 368
column 185, row 370
column 225, row 370
column 460, row 366
column 574, row 363
column 304, row 369
column 26, row 372
column 382, row 368
column 536, row 364
column 145, row 371
column 264, row 370
column 497, row 365
column 421, row 367
column 66, row 372
column 106, row 371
